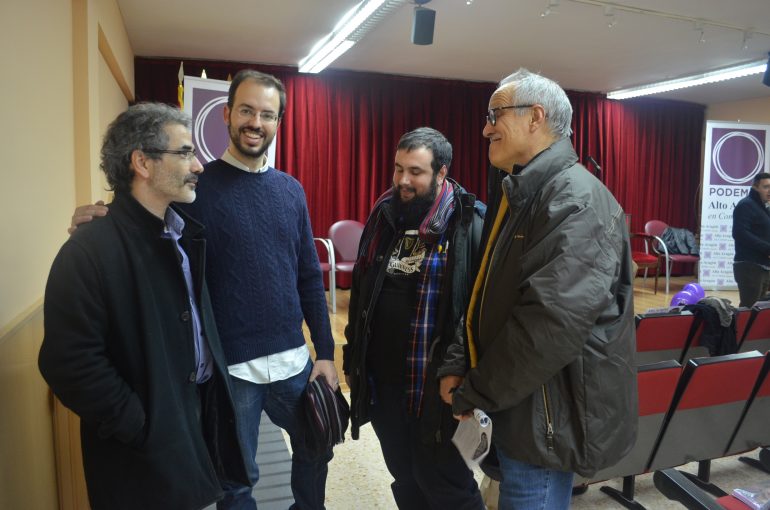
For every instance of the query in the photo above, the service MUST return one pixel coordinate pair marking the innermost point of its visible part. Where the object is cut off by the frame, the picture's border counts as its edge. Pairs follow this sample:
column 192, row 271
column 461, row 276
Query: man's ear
column 537, row 117
column 441, row 175
column 226, row 115
column 140, row 163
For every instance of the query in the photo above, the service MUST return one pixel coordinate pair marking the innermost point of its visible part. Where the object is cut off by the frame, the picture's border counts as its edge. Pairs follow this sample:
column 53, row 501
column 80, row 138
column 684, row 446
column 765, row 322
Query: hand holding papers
column 473, row 438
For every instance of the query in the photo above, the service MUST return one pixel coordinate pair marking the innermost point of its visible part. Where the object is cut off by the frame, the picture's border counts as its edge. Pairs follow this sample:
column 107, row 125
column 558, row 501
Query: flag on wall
column 180, row 87
column 735, row 153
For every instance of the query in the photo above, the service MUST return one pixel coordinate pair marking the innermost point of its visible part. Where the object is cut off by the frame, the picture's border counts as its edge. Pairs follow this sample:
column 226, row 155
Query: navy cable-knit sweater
column 261, row 263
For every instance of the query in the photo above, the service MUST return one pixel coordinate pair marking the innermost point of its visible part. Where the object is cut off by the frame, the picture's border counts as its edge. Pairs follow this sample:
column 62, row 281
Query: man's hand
column 86, row 213
column 447, row 385
column 326, row 368
column 462, row 417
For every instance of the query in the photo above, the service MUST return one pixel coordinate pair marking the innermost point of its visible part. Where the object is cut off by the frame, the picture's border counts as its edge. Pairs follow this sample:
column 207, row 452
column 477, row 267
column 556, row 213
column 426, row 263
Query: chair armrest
column 327, row 243
column 660, row 243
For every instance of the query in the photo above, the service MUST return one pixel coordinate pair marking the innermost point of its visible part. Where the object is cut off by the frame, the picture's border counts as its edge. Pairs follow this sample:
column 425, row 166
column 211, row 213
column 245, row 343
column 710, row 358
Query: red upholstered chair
column 663, row 337
column 655, row 229
column 646, row 260
column 756, row 336
column 345, row 236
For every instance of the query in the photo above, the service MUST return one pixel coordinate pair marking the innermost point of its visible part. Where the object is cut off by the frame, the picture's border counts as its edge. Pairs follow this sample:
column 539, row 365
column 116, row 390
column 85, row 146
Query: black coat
column 464, row 230
column 118, row 350
column 751, row 230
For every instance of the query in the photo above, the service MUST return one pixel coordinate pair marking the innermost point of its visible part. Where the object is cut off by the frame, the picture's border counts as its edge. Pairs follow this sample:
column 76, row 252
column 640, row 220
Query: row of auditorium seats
column 710, row 408
column 662, row 337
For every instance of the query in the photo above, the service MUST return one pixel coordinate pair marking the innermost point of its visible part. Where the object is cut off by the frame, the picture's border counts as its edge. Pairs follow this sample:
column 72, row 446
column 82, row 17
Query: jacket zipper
column 548, row 421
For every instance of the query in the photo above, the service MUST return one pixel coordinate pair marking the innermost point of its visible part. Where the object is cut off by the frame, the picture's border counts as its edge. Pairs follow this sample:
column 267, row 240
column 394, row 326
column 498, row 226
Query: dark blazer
column 118, row 350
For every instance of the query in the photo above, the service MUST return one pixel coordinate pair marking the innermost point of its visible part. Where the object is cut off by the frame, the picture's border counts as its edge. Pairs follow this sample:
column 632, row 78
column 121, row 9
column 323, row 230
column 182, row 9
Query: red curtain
column 340, row 131
column 649, row 151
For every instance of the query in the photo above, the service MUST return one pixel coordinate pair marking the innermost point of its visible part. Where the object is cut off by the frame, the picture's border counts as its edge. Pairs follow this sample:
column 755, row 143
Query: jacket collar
column 143, row 220
column 754, row 195
column 529, row 179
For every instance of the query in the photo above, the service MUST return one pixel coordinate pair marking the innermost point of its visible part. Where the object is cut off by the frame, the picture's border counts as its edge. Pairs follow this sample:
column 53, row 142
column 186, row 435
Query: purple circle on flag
column 737, row 155
column 209, row 130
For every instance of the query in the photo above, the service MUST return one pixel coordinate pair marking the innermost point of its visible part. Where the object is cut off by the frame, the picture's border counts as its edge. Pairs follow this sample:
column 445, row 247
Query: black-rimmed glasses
column 492, row 115
column 187, row 154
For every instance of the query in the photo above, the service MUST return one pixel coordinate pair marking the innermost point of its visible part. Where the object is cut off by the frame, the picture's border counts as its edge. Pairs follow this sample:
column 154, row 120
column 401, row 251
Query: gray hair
column 138, row 128
column 531, row 88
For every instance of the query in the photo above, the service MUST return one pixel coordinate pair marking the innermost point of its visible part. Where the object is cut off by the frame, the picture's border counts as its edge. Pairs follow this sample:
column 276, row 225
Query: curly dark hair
column 138, row 128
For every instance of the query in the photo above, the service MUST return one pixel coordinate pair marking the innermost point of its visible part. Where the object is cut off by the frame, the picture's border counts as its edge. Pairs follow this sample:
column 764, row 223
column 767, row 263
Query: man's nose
column 196, row 167
column 487, row 131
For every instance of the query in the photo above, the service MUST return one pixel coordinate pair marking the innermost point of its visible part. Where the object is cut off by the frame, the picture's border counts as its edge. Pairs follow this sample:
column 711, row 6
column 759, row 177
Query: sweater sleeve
column 74, row 357
column 311, row 289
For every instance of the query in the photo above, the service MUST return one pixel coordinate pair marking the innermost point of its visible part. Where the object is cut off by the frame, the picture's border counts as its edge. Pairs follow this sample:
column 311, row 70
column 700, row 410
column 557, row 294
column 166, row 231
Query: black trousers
column 425, row 477
column 753, row 282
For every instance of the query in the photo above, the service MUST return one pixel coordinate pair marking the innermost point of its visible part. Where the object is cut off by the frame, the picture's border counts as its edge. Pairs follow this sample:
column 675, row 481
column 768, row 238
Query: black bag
column 327, row 415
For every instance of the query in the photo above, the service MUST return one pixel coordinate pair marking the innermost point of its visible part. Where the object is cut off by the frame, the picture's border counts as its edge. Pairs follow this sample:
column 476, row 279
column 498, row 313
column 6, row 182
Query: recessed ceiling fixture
column 728, row 73
column 350, row 29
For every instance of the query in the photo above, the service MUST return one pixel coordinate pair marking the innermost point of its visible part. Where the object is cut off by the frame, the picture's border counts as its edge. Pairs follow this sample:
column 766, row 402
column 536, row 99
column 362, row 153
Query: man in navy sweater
column 265, row 278
column 751, row 231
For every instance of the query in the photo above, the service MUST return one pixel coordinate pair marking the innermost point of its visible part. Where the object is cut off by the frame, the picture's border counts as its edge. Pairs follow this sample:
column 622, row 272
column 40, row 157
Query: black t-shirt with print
column 394, row 310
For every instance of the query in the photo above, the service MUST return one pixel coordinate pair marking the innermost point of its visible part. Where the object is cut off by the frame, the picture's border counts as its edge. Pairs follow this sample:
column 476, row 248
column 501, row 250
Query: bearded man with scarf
column 411, row 282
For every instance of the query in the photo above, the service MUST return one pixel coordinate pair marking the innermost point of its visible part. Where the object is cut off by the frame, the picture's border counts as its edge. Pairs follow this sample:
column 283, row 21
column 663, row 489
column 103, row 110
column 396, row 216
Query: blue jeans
column 282, row 401
column 528, row 487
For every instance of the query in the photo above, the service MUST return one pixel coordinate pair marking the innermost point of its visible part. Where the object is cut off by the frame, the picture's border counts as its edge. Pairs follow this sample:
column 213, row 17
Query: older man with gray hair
column 550, row 323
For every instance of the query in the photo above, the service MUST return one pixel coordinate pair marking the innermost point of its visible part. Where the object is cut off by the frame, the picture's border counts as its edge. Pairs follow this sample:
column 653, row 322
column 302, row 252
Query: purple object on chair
column 695, row 289
column 684, row 297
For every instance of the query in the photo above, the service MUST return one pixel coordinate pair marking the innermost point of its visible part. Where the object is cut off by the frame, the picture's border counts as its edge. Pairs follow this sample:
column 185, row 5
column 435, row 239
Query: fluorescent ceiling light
column 351, row 28
column 691, row 81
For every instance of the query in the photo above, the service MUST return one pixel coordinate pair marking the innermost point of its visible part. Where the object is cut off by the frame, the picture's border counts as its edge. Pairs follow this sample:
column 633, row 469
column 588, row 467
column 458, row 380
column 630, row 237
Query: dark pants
column 753, row 282
column 426, row 477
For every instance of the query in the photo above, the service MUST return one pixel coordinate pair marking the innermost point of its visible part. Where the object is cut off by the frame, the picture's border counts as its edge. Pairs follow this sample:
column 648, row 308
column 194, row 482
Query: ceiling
column 483, row 41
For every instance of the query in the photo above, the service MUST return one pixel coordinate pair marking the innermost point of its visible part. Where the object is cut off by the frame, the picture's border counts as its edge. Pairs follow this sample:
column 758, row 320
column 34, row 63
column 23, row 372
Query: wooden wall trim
column 112, row 64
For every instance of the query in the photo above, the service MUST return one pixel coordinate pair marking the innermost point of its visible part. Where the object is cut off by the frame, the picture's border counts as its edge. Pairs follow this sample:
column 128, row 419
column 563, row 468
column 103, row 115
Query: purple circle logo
column 737, row 156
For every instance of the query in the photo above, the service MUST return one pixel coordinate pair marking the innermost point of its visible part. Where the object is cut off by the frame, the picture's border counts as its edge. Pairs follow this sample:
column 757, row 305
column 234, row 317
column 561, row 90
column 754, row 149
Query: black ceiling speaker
column 422, row 25
column 766, row 77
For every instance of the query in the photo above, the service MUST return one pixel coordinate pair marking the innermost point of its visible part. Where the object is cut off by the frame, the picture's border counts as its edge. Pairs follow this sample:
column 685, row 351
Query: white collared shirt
column 232, row 160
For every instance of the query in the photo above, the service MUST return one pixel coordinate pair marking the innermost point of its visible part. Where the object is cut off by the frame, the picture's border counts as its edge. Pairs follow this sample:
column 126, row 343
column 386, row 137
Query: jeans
column 753, row 282
column 528, row 487
column 425, row 476
column 283, row 403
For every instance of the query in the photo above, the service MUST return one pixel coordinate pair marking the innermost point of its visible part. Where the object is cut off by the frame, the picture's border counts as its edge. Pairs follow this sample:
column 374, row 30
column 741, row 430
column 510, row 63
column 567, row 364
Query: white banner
column 734, row 154
column 205, row 101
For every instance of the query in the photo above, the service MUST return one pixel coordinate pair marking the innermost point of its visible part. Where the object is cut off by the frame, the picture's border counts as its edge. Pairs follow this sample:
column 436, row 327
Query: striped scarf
column 433, row 232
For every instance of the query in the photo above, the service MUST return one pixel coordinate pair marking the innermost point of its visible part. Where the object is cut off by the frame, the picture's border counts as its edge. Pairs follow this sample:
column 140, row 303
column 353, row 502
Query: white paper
column 473, row 438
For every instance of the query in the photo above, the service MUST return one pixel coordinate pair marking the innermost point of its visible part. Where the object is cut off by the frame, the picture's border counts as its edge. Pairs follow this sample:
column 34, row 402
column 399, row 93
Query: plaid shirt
column 432, row 232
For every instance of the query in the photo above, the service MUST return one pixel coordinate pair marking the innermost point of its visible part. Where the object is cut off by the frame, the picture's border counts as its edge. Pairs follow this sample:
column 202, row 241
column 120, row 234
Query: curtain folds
column 340, row 131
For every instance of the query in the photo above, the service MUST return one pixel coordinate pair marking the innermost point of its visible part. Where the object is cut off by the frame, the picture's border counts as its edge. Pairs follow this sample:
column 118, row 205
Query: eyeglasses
column 492, row 115
column 186, row 154
column 248, row 113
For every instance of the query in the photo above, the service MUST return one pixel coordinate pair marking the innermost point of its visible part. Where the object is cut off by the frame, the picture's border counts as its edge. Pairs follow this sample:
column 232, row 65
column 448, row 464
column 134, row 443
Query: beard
column 410, row 214
column 246, row 150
